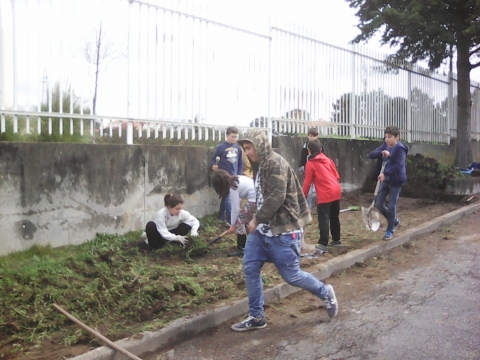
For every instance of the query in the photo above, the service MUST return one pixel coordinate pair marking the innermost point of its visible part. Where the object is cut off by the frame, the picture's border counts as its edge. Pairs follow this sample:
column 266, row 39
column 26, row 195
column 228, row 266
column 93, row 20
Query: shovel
column 372, row 218
column 218, row 238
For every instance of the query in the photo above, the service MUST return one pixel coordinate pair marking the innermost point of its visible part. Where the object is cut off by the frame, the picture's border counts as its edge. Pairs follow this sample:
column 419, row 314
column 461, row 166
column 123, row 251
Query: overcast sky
column 332, row 20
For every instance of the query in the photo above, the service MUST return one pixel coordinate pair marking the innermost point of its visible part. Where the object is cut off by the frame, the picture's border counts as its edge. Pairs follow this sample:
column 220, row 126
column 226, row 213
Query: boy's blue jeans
column 225, row 212
column 389, row 212
column 284, row 252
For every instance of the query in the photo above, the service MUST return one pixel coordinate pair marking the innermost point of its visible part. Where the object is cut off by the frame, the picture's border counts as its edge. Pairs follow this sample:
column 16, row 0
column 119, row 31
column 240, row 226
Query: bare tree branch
column 100, row 56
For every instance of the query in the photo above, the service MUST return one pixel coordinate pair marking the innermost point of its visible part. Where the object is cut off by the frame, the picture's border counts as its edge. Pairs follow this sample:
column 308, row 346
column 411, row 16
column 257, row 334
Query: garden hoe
column 218, row 238
column 372, row 218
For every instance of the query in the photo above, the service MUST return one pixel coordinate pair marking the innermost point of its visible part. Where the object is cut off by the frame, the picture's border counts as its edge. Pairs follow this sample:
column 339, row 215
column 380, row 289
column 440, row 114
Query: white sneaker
column 144, row 237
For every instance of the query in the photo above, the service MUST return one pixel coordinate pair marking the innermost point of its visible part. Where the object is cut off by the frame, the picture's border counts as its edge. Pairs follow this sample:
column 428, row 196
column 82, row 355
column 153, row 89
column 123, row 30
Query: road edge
column 187, row 328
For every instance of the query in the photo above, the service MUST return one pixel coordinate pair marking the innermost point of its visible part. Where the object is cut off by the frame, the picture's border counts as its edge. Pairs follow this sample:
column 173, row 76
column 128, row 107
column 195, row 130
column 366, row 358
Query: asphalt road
column 427, row 312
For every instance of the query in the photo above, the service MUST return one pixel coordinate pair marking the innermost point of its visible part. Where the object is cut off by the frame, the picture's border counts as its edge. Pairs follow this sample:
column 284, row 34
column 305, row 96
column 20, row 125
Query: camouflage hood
column 284, row 206
column 262, row 145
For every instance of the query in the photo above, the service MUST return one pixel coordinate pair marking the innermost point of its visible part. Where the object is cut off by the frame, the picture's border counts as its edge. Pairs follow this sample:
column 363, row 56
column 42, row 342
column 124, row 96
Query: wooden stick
column 97, row 334
column 218, row 237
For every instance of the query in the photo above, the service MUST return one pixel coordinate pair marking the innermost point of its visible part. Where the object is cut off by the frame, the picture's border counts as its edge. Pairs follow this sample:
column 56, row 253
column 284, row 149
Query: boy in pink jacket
column 322, row 172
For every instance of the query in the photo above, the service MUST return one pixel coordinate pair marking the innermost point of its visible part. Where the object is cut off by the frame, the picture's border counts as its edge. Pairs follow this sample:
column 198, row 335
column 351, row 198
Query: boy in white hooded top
column 171, row 223
column 238, row 188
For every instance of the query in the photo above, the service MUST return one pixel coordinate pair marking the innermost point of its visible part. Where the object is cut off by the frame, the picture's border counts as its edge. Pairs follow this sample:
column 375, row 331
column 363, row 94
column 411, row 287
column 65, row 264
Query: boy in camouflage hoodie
column 276, row 230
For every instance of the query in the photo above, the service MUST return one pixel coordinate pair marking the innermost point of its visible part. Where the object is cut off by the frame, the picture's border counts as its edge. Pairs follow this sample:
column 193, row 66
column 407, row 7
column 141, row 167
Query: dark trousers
column 156, row 241
column 328, row 221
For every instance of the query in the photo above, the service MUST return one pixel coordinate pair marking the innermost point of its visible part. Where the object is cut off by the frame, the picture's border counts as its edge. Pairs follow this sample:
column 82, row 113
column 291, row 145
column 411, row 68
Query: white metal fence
column 167, row 71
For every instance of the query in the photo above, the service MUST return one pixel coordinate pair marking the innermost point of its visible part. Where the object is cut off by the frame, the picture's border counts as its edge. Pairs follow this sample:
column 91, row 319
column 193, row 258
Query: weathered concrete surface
column 442, row 152
column 467, row 186
column 59, row 193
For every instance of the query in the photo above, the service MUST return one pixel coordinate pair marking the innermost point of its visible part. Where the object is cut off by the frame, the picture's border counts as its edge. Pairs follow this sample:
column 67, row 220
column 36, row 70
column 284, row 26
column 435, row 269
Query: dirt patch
column 295, row 316
column 114, row 284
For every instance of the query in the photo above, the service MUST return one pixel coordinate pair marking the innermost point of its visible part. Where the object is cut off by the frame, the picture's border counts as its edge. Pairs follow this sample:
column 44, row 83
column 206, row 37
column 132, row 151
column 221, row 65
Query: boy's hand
column 381, row 177
column 385, row 153
column 252, row 226
column 232, row 229
column 214, row 167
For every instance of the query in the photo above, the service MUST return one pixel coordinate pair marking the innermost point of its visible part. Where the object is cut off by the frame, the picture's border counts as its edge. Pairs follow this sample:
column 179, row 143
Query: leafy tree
column 373, row 107
column 430, row 30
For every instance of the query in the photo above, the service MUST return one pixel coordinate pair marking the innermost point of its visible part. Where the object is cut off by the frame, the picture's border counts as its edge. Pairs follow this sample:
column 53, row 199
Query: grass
column 111, row 282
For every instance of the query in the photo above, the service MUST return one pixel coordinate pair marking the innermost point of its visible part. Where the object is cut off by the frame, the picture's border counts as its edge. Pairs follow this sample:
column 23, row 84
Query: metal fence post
column 2, row 78
column 353, row 104
column 450, row 112
column 409, row 108
column 129, row 132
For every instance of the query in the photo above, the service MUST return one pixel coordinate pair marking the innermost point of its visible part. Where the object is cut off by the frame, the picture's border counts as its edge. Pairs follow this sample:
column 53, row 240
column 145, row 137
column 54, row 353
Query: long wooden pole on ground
column 97, row 334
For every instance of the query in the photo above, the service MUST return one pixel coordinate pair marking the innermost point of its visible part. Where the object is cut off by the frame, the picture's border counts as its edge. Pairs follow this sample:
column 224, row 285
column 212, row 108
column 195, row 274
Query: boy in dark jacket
column 322, row 173
column 230, row 160
column 393, row 177
column 276, row 231
column 312, row 135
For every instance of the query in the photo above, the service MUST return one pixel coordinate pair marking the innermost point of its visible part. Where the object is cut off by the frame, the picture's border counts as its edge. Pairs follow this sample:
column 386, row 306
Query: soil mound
column 426, row 178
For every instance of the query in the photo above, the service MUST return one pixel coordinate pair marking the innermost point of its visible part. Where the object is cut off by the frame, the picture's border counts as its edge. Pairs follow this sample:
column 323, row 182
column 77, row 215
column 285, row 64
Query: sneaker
column 238, row 252
column 395, row 224
column 335, row 243
column 331, row 303
column 388, row 235
column 320, row 249
column 250, row 323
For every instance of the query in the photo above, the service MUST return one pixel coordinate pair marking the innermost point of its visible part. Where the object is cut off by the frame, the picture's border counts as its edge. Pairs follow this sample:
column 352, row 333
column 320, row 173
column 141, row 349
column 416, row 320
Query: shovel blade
column 371, row 218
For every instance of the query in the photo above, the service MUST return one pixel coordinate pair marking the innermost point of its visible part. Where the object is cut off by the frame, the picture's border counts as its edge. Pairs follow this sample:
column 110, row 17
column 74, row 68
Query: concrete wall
column 441, row 152
column 62, row 194
column 65, row 193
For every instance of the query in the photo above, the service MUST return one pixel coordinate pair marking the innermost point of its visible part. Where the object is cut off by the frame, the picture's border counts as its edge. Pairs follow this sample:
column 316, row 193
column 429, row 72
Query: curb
column 187, row 328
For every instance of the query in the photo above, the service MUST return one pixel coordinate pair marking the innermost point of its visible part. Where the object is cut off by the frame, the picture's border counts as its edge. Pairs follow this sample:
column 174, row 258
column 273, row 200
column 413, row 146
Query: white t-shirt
column 245, row 190
column 166, row 222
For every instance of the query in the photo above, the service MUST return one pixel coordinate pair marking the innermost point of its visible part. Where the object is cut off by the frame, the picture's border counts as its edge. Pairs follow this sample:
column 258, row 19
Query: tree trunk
column 463, row 145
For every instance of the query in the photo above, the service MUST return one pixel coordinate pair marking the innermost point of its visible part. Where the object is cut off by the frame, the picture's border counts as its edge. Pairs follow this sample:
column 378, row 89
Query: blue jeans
column 284, row 252
column 389, row 212
column 225, row 212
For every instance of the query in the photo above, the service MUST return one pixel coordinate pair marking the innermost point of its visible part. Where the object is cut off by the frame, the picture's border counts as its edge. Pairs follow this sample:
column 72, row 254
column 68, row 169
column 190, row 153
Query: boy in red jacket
column 322, row 172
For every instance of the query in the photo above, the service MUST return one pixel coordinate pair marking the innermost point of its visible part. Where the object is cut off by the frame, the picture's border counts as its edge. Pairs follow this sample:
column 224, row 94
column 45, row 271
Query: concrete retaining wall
column 59, row 194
